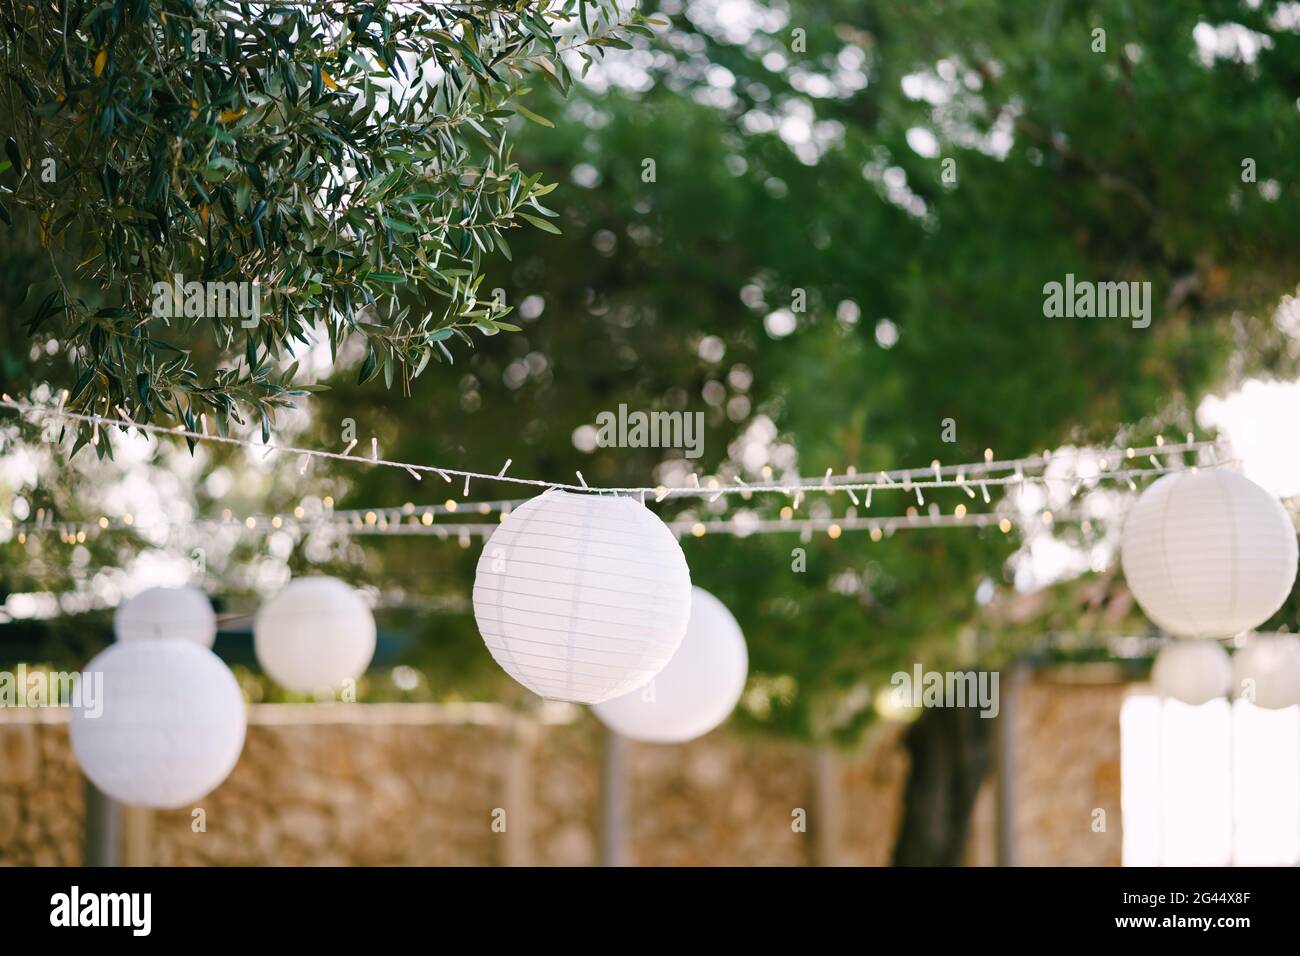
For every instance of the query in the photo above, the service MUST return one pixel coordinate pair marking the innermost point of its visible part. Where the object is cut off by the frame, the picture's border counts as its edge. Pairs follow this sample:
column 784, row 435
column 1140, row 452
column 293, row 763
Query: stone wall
column 1067, row 767
column 41, row 803
column 415, row 784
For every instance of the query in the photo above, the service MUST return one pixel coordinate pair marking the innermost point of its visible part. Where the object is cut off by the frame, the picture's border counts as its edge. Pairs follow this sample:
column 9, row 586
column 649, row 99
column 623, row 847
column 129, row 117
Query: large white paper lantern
column 314, row 635
column 696, row 691
column 1195, row 671
column 1266, row 671
column 582, row 597
column 169, row 727
column 1208, row 553
column 183, row 612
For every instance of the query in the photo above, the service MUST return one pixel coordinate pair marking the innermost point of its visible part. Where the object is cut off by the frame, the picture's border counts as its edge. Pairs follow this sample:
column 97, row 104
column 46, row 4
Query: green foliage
column 645, row 270
column 352, row 160
column 1117, row 165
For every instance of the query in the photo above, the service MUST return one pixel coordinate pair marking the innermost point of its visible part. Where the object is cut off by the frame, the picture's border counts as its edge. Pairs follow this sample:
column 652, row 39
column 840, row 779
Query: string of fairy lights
column 976, row 479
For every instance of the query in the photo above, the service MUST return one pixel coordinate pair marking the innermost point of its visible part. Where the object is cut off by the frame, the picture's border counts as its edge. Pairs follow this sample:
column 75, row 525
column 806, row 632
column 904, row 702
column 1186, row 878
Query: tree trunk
column 951, row 754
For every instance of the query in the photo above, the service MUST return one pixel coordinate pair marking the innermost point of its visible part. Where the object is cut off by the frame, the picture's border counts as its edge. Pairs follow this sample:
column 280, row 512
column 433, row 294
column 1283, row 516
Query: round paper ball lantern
column 184, row 613
column 1266, row 671
column 696, row 691
column 314, row 635
column 167, row 727
column 1208, row 553
column 1193, row 671
column 582, row 597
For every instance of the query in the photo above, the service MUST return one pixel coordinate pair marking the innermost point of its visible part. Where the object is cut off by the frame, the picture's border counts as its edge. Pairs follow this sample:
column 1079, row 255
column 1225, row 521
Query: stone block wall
column 417, row 784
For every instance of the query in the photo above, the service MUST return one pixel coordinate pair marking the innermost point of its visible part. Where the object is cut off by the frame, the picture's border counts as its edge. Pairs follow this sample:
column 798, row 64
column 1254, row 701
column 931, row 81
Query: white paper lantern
column 1208, row 554
column 1195, row 671
column 696, row 691
column 314, row 635
column 170, row 725
column 582, row 597
column 184, row 613
column 1266, row 671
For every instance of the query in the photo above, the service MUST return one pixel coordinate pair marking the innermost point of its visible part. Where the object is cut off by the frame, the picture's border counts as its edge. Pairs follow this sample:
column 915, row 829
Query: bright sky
column 1262, row 421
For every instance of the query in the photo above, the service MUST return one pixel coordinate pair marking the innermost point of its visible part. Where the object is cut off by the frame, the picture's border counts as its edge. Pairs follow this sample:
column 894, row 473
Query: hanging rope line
column 975, row 479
